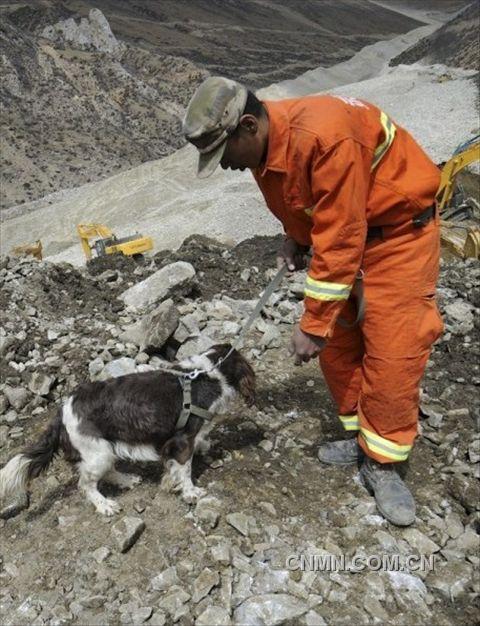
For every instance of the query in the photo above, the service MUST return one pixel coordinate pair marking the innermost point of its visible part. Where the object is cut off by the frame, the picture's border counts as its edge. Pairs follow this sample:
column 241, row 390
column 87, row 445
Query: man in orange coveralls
column 348, row 182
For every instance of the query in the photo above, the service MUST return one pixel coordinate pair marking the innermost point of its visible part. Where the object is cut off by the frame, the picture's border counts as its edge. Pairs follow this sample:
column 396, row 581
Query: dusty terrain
column 60, row 562
column 84, row 99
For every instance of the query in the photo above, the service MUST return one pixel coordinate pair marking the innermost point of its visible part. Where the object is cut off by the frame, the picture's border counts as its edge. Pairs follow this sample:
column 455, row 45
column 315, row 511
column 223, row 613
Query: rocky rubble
column 224, row 560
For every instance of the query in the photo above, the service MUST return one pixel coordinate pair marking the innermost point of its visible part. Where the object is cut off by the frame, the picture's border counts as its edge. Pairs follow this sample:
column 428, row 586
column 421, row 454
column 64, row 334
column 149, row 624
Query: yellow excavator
column 459, row 216
column 105, row 242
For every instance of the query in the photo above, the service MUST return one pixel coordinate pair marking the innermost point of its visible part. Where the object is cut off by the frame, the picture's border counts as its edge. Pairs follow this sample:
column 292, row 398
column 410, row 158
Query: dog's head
column 237, row 371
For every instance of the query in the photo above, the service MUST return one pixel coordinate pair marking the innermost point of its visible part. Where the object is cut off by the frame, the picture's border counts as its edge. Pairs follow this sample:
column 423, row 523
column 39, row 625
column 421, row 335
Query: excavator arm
column 88, row 231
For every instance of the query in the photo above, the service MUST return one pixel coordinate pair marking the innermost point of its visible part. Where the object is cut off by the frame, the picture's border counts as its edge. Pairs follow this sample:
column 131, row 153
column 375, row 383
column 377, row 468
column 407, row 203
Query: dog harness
column 187, row 407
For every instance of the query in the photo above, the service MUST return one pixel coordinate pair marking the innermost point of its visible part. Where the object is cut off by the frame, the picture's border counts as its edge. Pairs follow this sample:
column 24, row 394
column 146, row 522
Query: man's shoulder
column 326, row 120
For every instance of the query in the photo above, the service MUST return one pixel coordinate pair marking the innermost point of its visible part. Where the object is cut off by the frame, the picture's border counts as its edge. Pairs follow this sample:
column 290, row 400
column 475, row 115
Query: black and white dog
column 134, row 417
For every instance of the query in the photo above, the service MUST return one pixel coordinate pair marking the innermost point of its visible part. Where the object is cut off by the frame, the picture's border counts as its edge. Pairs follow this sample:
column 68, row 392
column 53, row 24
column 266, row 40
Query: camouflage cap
column 212, row 115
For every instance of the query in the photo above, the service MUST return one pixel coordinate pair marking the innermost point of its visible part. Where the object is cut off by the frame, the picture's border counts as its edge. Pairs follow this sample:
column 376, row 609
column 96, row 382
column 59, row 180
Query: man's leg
column 341, row 363
column 400, row 326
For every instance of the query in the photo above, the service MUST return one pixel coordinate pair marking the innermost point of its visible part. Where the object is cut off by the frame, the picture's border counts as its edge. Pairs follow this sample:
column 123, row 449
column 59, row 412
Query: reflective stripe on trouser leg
column 349, row 422
column 375, row 444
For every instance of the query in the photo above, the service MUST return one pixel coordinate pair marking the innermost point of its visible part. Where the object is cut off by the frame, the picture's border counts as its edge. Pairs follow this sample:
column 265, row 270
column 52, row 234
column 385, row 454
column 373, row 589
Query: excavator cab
column 106, row 242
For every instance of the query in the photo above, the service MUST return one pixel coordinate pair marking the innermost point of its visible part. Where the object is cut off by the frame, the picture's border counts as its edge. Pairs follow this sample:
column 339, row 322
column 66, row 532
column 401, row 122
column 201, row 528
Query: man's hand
column 292, row 254
column 305, row 346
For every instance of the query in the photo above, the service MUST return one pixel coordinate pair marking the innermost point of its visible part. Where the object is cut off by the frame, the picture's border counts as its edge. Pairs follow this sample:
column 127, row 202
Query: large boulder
column 154, row 329
column 174, row 278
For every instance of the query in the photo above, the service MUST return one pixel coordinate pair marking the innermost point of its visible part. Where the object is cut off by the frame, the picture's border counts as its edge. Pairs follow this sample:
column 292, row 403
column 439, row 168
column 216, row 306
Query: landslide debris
column 224, row 560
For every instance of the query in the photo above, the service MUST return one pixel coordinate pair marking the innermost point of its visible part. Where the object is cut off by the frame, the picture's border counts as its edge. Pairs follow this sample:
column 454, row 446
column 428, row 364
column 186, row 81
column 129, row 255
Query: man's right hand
column 292, row 254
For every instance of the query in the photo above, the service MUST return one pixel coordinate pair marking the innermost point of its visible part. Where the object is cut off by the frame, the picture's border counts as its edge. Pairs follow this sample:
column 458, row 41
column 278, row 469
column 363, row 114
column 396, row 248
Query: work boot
column 344, row 452
column 392, row 496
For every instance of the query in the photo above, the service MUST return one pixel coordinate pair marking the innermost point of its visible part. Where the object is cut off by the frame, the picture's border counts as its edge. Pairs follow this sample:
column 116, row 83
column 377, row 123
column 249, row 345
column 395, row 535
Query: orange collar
column 278, row 135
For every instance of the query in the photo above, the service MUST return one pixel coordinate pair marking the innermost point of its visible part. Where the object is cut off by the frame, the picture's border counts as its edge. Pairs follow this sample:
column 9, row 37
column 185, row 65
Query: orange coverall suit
column 335, row 168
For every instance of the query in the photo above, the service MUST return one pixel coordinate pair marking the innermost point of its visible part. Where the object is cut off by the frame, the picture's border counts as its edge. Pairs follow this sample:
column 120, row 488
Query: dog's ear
column 246, row 381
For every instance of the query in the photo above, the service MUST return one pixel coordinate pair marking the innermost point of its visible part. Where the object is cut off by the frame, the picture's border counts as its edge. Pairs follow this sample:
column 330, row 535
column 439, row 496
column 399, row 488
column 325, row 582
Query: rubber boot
column 343, row 452
column 392, row 496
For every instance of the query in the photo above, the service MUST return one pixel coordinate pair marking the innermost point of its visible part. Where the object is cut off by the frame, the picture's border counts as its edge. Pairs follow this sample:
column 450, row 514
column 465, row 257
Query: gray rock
column 373, row 606
column 474, row 451
column 157, row 619
column 420, row 542
column 460, row 315
column 312, row 618
column 221, row 553
column 454, row 526
column 93, row 602
column 155, row 328
column 231, row 328
column 101, row 554
column 174, row 278
column 141, row 614
column 165, row 579
column 195, row 346
column 3, row 404
column 240, row 522
column 271, row 337
column 40, row 384
column 269, row 609
column 268, row 508
column 407, row 582
column 214, row 615
column 119, row 367
column 242, row 588
column 17, row 396
column 271, row 581
column 95, row 367
column 469, row 541
column 174, row 600
column 127, row 531
column 451, row 579
column 208, row 510
column 204, row 583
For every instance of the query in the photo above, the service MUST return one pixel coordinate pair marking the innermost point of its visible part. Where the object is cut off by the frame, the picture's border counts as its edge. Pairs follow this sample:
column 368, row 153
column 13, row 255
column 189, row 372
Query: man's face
column 244, row 148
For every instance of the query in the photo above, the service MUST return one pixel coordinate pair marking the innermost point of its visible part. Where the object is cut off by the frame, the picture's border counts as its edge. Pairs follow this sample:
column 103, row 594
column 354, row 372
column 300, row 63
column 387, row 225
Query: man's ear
column 249, row 123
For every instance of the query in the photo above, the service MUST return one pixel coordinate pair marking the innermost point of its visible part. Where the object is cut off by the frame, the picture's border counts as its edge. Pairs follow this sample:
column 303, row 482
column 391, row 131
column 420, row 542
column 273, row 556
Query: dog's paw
column 190, row 496
column 108, row 507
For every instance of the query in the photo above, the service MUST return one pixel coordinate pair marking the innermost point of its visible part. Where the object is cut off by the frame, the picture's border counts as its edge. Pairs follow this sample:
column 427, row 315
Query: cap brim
column 208, row 163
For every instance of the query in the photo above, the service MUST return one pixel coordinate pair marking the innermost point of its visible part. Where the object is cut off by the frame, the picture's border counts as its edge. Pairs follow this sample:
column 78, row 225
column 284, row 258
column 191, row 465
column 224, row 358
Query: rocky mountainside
column 92, row 88
column 79, row 105
column 223, row 560
column 456, row 44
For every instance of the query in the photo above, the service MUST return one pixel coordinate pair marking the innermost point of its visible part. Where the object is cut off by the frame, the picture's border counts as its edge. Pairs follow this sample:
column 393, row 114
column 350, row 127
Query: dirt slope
column 455, row 44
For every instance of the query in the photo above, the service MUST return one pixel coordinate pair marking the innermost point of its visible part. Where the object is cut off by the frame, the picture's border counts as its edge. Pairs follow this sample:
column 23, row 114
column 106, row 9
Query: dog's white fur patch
column 141, row 452
column 13, row 477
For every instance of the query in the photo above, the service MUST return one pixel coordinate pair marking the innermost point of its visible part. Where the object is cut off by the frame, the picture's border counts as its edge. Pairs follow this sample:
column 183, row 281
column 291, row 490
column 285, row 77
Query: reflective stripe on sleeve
column 323, row 290
column 390, row 130
column 349, row 422
column 386, row 448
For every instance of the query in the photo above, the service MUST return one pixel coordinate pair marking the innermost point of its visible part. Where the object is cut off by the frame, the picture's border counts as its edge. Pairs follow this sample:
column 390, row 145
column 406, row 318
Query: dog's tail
column 17, row 473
